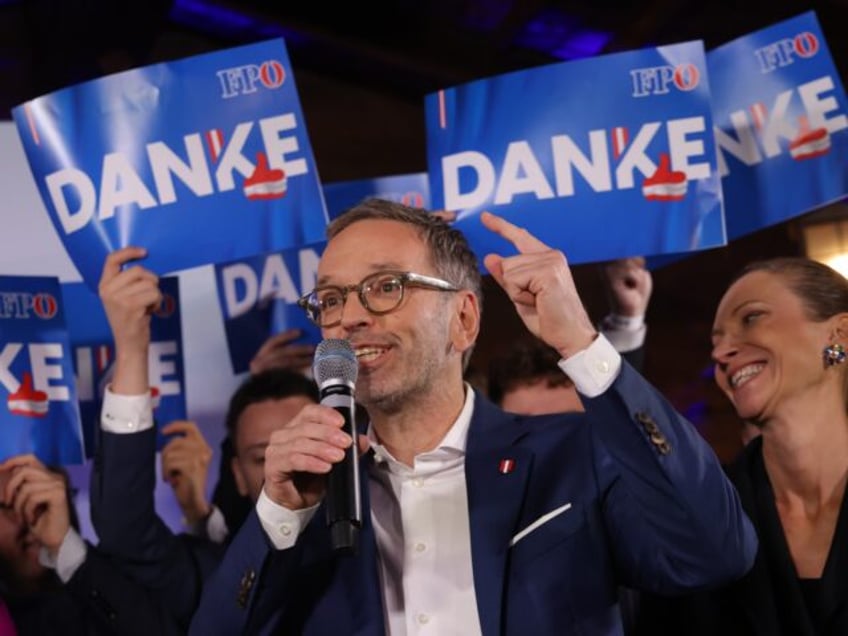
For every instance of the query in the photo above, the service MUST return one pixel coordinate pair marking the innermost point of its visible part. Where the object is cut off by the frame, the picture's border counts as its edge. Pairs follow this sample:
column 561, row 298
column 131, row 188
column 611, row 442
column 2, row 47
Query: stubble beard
column 400, row 390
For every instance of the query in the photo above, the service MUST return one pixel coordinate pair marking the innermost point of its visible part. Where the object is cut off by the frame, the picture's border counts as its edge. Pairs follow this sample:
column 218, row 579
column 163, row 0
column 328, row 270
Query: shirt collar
column 454, row 440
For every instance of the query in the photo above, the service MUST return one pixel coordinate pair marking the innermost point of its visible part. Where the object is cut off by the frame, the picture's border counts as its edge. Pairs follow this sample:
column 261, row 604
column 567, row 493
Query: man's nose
column 354, row 312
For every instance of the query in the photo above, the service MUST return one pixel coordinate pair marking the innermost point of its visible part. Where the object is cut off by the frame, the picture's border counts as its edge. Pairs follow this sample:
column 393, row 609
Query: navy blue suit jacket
column 170, row 567
column 650, row 508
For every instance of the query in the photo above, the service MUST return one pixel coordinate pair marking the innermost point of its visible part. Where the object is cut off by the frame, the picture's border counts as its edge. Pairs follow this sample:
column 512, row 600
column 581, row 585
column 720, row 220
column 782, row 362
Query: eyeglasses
column 379, row 293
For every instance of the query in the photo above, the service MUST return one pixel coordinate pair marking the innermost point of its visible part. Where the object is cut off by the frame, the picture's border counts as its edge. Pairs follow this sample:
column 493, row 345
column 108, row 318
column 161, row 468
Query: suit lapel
column 496, row 474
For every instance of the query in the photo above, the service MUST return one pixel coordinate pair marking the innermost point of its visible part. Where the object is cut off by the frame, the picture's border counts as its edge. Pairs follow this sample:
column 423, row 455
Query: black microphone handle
column 343, row 503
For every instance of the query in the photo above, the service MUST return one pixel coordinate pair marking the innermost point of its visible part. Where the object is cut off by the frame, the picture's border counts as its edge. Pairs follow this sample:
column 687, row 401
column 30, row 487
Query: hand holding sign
column 130, row 296
column 282, row 352
column 539, row 283
column 185, row 466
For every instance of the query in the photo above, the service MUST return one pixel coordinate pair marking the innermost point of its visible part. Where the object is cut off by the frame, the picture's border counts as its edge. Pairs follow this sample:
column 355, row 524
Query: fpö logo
column 22, row 305
column 412, row 198
column 784, row 52
column 249, row 78
column 167, row 307
column 660, row 80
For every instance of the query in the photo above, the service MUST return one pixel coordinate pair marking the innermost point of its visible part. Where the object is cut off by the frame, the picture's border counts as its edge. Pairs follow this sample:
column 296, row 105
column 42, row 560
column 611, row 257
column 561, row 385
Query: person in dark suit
column 172, row 567
column 476, row 521
column 52, row 581
column 779, row 340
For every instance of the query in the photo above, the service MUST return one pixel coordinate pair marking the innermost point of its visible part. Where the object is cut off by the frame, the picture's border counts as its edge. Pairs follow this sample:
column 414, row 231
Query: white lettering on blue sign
column 783, row 52
column 763, row 131
column 43, row 370
column 161, row 364
column 247, row 79
column 521, row 172
column 75, row 196
column 163, row 368
column 659, row 80
column 244, row 288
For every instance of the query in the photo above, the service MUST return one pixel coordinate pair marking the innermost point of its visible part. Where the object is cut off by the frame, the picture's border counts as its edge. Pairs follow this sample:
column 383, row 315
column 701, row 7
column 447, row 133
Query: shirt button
column 285, row 529
column 423, row 619
column 420, row 547
column 417, row 482
column 602, row 366
column 130, row 425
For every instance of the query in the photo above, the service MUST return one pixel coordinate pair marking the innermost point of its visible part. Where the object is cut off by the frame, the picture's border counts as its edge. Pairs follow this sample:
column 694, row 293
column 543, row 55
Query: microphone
column 335, row 370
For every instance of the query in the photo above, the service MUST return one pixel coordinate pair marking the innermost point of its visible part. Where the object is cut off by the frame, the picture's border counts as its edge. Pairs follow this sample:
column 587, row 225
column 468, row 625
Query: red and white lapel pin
column 506, row 466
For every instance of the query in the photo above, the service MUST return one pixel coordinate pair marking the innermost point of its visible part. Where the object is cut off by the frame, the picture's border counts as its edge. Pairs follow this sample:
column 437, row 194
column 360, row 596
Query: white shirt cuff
column 594, row 369
column 70, row 557
column 214, row 527
column 126, row 413
column 615, row 322
column 625, row 340
column 283, row 526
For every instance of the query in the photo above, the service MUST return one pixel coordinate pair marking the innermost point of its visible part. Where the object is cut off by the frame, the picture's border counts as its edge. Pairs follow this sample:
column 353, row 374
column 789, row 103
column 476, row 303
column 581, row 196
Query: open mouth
column 744, row 375
column 367, row 354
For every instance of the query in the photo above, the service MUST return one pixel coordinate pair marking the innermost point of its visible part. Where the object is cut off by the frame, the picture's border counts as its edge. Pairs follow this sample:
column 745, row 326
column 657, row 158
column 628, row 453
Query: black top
column 813, row 592
column 770, row 600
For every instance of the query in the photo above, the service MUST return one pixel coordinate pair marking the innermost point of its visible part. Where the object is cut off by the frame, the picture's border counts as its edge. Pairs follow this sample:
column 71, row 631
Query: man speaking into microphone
column 474, row 521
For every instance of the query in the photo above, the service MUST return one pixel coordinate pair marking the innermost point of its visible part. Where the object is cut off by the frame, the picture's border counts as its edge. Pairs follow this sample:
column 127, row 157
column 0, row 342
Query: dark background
column 362, row 70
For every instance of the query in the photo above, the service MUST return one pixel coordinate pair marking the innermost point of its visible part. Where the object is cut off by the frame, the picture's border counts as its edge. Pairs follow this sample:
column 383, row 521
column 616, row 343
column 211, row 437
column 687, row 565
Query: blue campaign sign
column 258, row 296
column 201, row 160
column 409, row 189
column 781, row 126
column 604, row 158
column 41, row 415
column 94, row 356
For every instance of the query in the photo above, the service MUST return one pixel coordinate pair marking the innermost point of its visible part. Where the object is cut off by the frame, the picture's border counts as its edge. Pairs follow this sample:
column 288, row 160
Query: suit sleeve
column 132, row 534
column 116, row 603
column 247, row 593
column 675, row 521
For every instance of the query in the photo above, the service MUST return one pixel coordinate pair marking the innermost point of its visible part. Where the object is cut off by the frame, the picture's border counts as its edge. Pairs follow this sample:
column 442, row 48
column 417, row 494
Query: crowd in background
column 778, row 338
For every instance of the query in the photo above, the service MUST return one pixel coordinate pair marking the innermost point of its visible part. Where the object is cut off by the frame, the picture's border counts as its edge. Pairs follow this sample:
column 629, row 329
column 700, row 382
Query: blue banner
column 41, row 414
column 603, row 158
column 201, row 160
column 258, row 296
column 94, row 356
column 409, row 189
column 781, row 126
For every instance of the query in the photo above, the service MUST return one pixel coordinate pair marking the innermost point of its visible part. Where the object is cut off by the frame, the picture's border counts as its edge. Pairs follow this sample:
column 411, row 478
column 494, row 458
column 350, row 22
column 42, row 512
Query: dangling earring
column 834, row 354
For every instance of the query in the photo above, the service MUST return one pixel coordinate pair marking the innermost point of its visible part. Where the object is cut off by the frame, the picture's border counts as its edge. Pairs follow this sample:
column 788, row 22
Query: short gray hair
column 450, row 253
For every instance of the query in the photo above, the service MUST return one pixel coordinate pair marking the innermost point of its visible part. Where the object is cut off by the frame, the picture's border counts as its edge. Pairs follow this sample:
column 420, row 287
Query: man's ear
column 465, row 325
column 238, row 476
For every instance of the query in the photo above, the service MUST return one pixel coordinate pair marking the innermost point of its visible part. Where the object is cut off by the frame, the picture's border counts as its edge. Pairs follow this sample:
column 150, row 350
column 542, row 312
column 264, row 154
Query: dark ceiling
column 363, row 67
column 362, row 70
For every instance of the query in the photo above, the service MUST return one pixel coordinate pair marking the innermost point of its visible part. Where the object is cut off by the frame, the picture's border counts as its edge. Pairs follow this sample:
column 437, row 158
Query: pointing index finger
column 523, row 241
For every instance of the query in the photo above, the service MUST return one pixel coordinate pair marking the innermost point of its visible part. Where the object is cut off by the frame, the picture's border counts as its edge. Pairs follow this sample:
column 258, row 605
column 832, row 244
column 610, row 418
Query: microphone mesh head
column 335, row 359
